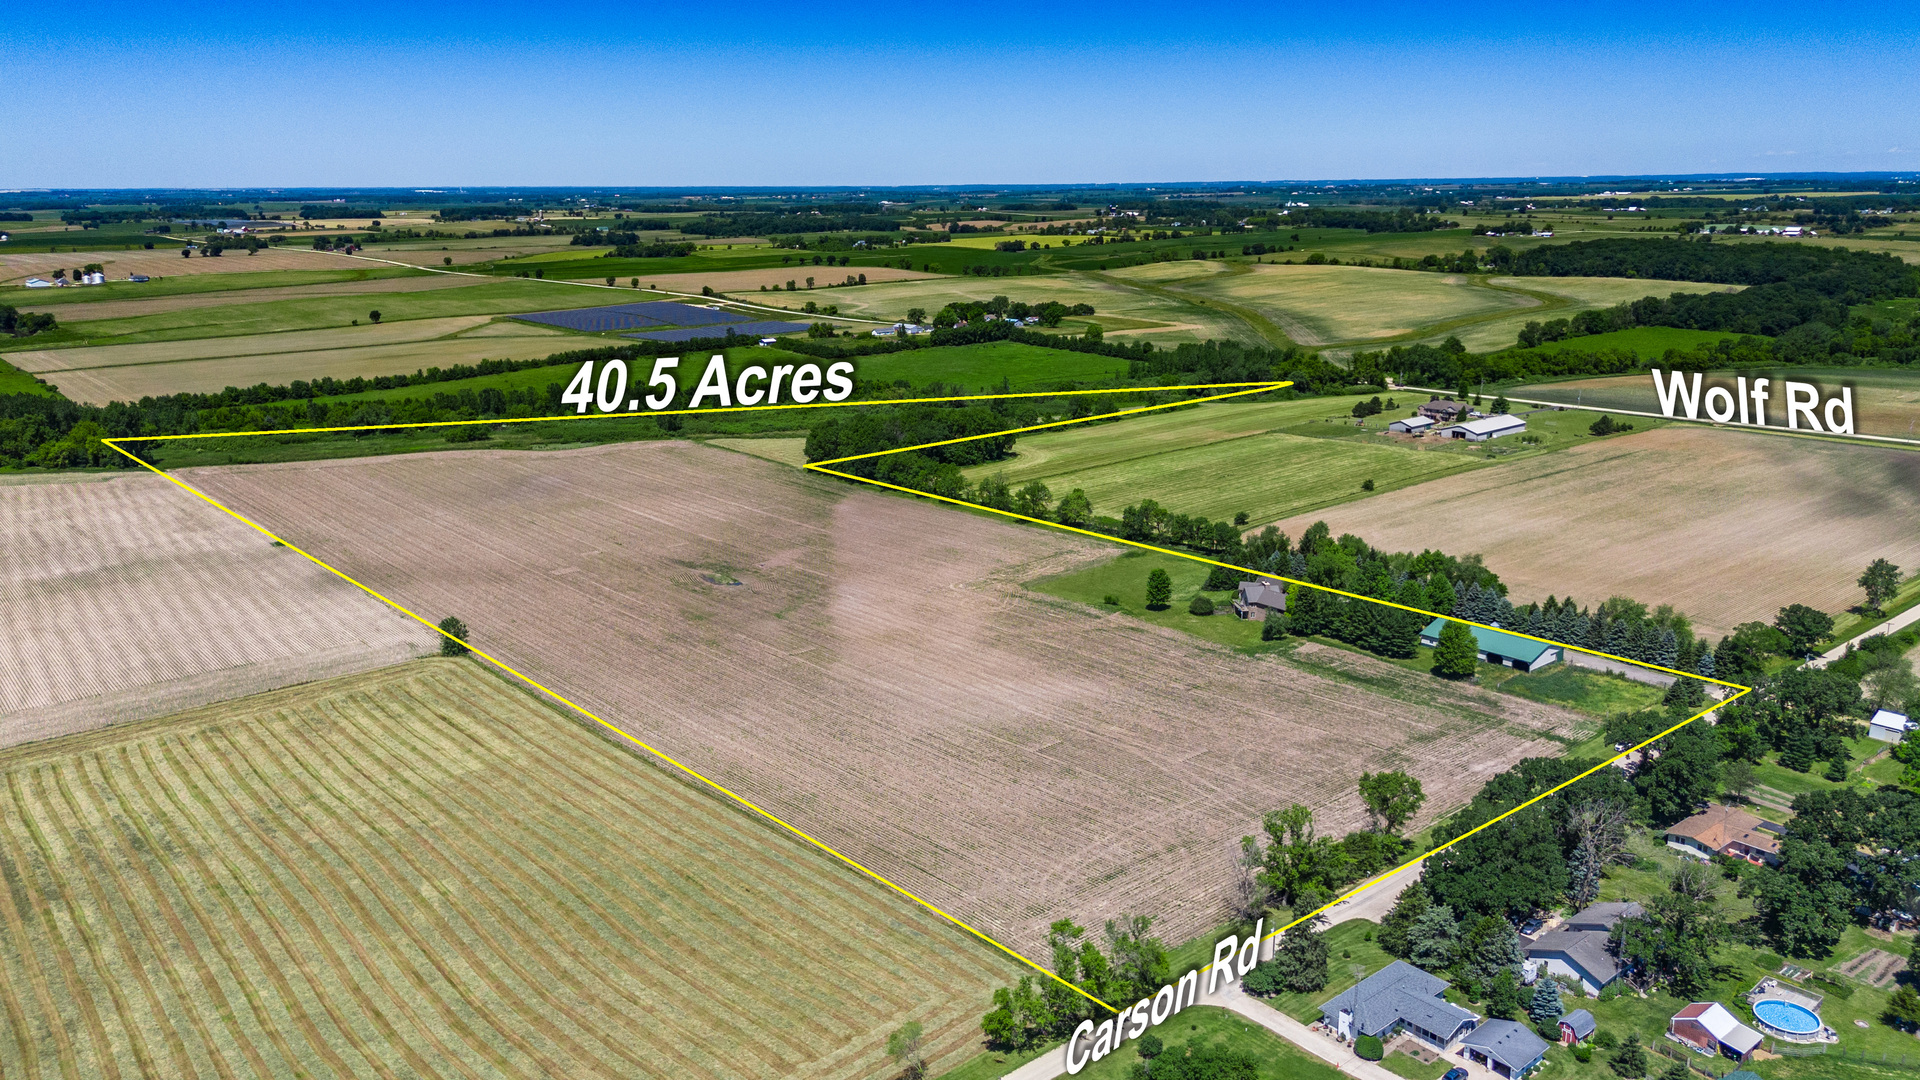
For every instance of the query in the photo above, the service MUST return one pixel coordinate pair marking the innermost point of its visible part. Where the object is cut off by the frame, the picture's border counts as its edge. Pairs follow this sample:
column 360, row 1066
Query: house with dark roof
column 1398, row 997
column 1444, row 411
column 1257, row 598
column 1577, row 949
column 1577, row 1026
column 1507, row 1047
column 1500, row 647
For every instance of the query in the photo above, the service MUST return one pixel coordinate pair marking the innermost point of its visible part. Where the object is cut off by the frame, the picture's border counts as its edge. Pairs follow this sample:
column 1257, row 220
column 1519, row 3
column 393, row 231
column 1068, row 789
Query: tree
column 373, row 316
column 1489, row 948
column 1903, row 1011
column 1249, row 895
column 1392, row 799
column 1433, row 941
column 1398, row 922
column 903, row 1046
column 1804, row 627
column 1457, row 655
column 1880, row 580
column 1300, row 868
column 1892, row 686
column 916, row 315
column 1736, row 779
column 1503, row 996
column 1300, row 958
column 1546, row 1006
column 1672, row 943
column 1598, row 828
column 1684, row 775
column 1630, row 1060
column 1149, row 1046
column 1684, row 697
column 453, row 640
column 1501, row 405
column 1159, row 590
column 1033, row 500
column 1075, row 509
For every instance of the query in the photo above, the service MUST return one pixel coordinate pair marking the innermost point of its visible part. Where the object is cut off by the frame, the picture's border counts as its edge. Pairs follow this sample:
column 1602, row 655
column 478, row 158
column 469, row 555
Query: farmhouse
column 1708, row 1026
column 1507, row 1047
column 1487, row 427
column 1257, row 598
column 1499, row 647
column 1398, row 997
column 1888, row 726
column 1444, row 410
column 1724, row 830
column 1578, row 949
column 1412, row 425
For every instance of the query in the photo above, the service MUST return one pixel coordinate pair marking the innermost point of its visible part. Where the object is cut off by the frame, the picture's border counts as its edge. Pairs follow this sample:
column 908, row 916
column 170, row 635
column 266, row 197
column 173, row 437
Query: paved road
column 1898, row 622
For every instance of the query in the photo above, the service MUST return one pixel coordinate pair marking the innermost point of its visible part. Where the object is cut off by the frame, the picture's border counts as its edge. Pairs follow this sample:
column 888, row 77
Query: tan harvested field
column 880, row 678
column 126, row 599
column 747, row 282
column 123, row 309
column 16, row 268
column 425, row 872
column 1728, row 526
column 102, row 373
column 1171, row 319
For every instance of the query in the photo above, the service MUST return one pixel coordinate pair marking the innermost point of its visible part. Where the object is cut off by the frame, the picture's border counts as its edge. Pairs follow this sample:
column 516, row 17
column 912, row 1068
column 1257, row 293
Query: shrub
column 1548, row 1030
column 1111, row 600
column 1604, row 1039
column 1368, row 1048
column 1149, row 1046
column 1366, row 485
column 1200, row 606
column 1275, row 626
column 1582, row 1053
column 453, row 641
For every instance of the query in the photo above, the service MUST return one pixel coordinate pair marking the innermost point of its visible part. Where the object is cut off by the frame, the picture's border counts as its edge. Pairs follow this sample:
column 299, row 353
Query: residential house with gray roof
column 1508, row 1047
column 1577, row 950
column 1398, row 997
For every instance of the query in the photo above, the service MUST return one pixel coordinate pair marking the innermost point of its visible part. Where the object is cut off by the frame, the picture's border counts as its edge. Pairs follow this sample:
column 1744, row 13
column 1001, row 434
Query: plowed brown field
column 879, row 677
column 426, row 872
column 123, row 599
column 1727, row 526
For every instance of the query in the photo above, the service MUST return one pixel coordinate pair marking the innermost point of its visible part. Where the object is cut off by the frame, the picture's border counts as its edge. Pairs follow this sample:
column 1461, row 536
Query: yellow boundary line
column 1237, row 390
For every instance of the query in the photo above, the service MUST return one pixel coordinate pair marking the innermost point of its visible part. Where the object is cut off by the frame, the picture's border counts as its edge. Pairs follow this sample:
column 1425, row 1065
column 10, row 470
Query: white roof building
column 1411, row 424
column 1888, row 726
column 1486, row 427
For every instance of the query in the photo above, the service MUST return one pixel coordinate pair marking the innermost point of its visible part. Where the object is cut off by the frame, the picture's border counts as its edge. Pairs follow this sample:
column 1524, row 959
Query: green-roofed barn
column 1500, row 647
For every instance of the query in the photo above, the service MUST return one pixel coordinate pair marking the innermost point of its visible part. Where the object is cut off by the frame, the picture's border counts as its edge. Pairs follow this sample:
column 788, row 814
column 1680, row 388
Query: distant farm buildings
column 1500, row 647
column 1412, row 425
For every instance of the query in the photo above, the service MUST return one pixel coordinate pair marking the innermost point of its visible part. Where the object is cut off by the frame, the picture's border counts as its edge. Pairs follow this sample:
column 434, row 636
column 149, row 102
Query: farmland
column 1727, row 526
column 16, row 267
column 127, row 600
column 424, row 871
column 889, row 685
column 1886, row 402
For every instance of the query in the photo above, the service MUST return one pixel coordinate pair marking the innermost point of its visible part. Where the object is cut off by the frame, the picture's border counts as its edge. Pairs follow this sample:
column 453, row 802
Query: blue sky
column 220, row 94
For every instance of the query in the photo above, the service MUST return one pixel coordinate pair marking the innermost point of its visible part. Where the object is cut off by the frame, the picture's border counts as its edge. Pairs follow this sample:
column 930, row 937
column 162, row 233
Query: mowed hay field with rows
column 427, row 872
column 1725, row 525
column 128, row 598
column 872, row 668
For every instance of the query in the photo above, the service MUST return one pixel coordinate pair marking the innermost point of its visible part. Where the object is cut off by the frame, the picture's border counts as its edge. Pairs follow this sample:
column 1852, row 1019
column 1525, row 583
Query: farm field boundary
column 1231, row 390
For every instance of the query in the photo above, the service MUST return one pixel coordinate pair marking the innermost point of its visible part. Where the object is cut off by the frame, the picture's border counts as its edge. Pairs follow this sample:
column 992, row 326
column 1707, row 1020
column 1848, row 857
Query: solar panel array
column 631, row 316
column 745, row 329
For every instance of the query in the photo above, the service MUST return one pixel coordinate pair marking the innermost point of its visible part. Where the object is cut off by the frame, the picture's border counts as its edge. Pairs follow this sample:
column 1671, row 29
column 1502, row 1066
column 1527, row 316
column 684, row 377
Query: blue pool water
column 1786, row 1016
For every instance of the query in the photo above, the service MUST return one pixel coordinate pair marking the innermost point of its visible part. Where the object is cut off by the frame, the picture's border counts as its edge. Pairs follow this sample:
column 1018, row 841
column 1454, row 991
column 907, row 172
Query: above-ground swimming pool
column 1786, row 1017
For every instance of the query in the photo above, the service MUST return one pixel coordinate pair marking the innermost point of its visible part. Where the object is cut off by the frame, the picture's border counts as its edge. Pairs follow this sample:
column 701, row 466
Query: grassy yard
column 1413, row 1068
column 1352, row 955
column 1207, row 1025
column 1598, row 692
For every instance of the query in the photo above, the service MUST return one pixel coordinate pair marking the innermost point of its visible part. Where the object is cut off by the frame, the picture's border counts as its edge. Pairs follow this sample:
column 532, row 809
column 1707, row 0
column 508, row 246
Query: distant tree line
column 337, row 210
column 1372, row 221
column 935, row 469
column 657, row 249
column 626, row 234
column 800, row 221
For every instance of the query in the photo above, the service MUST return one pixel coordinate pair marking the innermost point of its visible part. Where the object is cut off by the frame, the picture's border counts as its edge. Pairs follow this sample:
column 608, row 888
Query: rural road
column 1898, row 622
column 1053, row 1063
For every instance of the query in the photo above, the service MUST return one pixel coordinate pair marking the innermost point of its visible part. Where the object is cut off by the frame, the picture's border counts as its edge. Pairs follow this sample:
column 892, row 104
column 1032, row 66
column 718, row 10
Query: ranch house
column 1725, row 830
column 1398, row 997
column 1577, row 949
column 1444, row 411
column 1487, row 427
column 1508, row 1047
column 1499, row 647
column 1257, row 598
column 1412, row 425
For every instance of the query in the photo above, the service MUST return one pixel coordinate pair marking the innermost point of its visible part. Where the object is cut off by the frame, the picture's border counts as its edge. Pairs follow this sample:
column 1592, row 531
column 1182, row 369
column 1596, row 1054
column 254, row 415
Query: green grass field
column 425, row 871
column 1650, row 342
column 981, row 367
column 15, row 381
column 1596, row 692
column 1219, row 460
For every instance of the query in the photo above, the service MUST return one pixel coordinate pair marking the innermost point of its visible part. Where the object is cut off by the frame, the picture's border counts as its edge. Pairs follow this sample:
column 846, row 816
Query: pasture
column 99, row 374
column 1725, row 525
column 1562, row 297
column 981, row 368
column 1649, row 342
column 869, row 667
column 424, row 871
column 127, row 598
column 1320, row 305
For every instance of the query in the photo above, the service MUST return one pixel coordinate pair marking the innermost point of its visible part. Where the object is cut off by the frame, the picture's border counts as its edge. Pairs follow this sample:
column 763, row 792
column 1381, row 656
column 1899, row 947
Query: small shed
column 1412, row 425
column 1888, row 726
column 1577, row 1026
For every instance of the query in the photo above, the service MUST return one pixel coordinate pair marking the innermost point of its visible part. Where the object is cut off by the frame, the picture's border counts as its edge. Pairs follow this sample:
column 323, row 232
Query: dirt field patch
column 1727, row 526
column 1875, row 967
column 16, row 268
column 747, row 283
column 126, row 600
column 879, row 676
column 425, row 872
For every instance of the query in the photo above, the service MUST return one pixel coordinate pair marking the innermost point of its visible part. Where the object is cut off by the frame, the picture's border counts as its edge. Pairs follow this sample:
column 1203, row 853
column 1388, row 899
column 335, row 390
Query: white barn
column 1487, row 427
